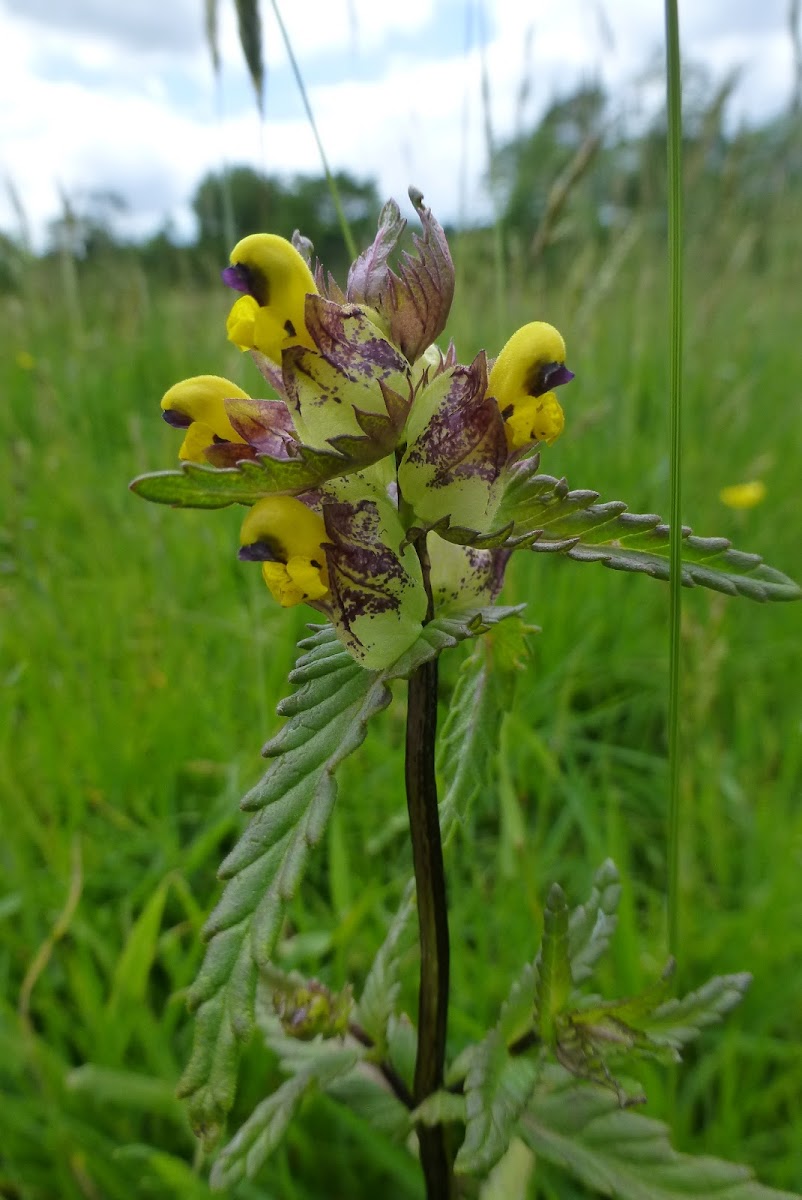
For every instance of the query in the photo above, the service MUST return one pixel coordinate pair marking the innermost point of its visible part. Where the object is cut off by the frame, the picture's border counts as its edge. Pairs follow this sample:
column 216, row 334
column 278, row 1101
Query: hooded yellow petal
column 277, row 281
column 530, row 363
column 202, row 399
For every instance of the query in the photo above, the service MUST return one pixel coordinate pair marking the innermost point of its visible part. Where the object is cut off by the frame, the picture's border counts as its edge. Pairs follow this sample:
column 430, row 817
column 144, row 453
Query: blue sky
column 121, row 95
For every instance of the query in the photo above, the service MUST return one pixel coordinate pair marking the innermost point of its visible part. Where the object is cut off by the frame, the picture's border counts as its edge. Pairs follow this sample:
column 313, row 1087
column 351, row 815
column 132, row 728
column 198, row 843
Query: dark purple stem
column 430, row 885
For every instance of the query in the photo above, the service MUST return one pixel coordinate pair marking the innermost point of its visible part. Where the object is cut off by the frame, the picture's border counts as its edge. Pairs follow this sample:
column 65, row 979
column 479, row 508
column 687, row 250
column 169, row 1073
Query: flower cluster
column 384, row 461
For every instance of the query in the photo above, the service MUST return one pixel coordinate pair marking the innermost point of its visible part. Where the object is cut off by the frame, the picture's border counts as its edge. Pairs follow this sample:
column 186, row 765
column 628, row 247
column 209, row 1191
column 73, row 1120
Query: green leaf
column 367, row 1094
column 327, row 720
column 678, row 1022
column 328, row 715
column 616, row 1152
column 380, row 993
column 364, row 1089
column 497, row 1085
column 258, row 1137
column 546, row 516
column 162, row 1174
column 468, row 744
column 511, row 1176
column 447, row 631
column 197, row 485
column 497, row 1089
column 592, row 924
column 133, row 967
column 553, row 965
column 440, row 1108
column 515, row 1021
column 127, row 1089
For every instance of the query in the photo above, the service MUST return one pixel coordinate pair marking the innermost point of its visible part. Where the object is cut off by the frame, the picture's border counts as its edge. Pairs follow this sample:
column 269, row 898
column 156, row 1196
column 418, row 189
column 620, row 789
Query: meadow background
column 140, row 663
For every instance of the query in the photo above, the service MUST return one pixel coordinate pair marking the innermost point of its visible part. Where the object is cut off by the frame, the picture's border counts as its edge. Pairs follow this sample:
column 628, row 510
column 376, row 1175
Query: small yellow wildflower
column 286, row 537
column 198, row 406
column 276, row 282
column 530, row 364
column 25, row 360
column 743, row 495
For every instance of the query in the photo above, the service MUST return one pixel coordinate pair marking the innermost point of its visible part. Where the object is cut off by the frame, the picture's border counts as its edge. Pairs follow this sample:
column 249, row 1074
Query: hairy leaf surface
column 541, row 512
column 380, row 993
column 468, row 744
column 327, row 720
column 264, row 1129
column 677, row 1022
column 593, row 923
column 620, row 1153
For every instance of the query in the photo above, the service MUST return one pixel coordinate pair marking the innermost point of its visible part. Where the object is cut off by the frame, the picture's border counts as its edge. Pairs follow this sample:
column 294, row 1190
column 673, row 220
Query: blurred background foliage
column 140, row 662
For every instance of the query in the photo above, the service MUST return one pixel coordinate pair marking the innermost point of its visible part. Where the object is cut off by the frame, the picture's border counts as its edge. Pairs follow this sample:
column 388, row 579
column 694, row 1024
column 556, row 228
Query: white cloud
column 130, row 26
column 123, row 98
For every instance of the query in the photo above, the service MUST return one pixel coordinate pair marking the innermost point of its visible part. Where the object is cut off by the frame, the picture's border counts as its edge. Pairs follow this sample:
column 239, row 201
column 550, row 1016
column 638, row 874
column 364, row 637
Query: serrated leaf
column 680, row 1021
column 619, row 1153
column 591, row 925
column 468, row 744
column 447, row 631
column 380, row 993
column 328, row 715
column 515, row 1021
column 327, row 720
column 440, row 1108
column 497, row 1085
column 367, row 1094
column 197, row 485
column 517, row 1012
column 364, row 1089
column 553, row 965
column 402, row 1046
column 510, row 1178
column 546, row 516
column 258, row 1137
column 497, row 1088
column 585, row 1048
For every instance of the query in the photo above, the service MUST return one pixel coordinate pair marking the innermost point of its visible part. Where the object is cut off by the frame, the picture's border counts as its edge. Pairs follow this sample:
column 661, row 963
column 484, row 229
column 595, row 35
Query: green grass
column 140, row 665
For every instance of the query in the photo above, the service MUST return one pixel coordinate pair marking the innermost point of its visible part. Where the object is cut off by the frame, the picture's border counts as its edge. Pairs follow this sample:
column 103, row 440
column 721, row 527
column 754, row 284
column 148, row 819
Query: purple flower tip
column 237, row 277
column 559, row 375
column 257, row 552
column 176, row 419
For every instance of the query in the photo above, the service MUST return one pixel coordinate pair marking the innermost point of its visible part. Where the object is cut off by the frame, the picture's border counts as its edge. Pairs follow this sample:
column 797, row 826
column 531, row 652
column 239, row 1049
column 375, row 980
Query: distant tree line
column 577, row 177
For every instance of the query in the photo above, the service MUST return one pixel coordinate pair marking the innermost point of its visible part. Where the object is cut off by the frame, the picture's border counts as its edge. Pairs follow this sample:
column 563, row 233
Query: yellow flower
column 529, row 365
column 25, row 360
column 276, row 282
column 198, row 405
column 743, row 495
column 287, row 538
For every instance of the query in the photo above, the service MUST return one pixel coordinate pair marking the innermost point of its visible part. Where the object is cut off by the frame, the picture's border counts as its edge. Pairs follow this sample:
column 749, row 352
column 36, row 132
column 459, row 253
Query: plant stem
column 334, row 191
column 430, row 884
column 674, row 109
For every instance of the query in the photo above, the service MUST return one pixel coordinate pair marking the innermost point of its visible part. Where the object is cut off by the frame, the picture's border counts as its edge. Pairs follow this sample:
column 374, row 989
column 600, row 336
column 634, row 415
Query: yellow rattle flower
column 276, row 282
column 286, row 537
column 198, row 405
column 530, row 364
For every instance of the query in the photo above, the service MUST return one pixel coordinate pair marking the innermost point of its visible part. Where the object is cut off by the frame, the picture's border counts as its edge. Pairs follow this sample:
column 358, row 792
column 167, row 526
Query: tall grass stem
column 348, row 237
column 674, row 151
